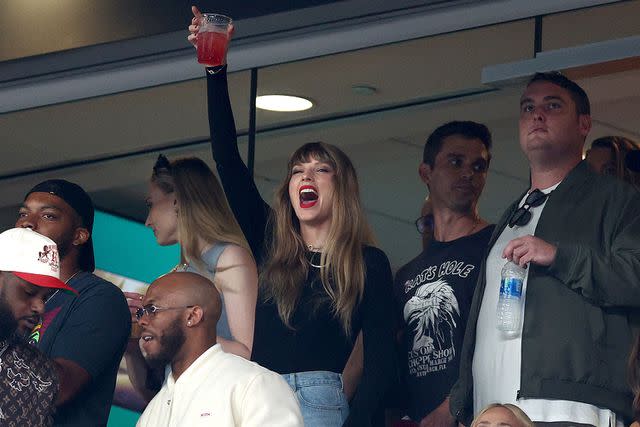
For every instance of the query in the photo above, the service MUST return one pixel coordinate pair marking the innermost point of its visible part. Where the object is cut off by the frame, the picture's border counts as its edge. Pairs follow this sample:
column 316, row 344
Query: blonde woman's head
column 502, row 415
column 187, row 205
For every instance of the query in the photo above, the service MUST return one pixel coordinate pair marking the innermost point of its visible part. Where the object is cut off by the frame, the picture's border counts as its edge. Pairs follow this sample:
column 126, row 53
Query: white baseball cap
column 32, row 257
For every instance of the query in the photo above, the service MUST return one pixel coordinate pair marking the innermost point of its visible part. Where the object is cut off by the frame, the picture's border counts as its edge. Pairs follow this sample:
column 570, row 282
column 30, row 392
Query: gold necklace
column 180, row 267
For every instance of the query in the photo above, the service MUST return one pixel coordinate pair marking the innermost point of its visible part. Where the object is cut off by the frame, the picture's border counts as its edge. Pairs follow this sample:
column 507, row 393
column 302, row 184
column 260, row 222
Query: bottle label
column 511, row 286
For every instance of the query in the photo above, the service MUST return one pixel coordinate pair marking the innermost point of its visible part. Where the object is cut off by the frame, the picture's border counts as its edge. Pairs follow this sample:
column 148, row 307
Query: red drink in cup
column 213, row 39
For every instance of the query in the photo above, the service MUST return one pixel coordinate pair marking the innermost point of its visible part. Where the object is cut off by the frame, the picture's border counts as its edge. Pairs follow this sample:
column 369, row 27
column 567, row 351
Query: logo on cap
column 49, row 255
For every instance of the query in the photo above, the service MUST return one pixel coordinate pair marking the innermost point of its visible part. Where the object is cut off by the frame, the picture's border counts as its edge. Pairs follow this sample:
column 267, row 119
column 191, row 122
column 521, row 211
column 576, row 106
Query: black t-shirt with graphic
column 433, row 294
column 28, row 386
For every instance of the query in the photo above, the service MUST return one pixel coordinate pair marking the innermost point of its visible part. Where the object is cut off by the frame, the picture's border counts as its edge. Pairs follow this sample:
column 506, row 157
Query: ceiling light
column 283, row 103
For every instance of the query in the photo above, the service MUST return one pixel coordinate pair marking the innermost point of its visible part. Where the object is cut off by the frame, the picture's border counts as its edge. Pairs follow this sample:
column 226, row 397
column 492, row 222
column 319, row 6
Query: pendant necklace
column 314, row 251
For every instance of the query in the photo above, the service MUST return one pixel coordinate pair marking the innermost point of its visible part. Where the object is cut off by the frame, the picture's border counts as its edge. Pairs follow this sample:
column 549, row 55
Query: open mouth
column 146, row 337
column 308, row 196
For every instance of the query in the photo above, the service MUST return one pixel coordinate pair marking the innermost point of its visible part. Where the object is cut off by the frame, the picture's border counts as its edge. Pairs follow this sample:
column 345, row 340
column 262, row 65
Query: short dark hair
column 78, row 199
column 466, row 129
column 578, row 95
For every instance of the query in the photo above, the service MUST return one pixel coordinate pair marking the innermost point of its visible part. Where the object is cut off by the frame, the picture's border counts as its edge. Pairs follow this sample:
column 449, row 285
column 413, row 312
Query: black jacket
column 576, row 335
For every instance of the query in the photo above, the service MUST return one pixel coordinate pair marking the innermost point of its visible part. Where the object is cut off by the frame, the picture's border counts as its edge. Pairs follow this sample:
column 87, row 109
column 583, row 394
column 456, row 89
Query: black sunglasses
column 522, row 215
column 152, row 309
column 424, row 223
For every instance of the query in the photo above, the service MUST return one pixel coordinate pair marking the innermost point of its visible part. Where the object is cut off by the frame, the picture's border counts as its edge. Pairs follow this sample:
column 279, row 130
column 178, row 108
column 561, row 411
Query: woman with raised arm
column 187, row 206
column 322, row 282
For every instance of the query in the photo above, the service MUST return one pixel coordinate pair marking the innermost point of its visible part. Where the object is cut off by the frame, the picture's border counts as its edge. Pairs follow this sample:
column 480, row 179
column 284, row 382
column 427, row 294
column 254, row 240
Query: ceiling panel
column 176, row 113
column 401, row 72
column 111, row 125
column 591, row 25
column 70, row 24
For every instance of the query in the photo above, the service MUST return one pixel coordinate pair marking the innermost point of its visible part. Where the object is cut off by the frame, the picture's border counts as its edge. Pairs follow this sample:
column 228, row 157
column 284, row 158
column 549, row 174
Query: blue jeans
column 321, row 397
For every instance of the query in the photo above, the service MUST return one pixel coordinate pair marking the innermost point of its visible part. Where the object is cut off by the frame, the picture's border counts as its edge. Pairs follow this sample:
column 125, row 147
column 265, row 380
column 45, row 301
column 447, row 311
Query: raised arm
column 379, row 369
column 247, row 205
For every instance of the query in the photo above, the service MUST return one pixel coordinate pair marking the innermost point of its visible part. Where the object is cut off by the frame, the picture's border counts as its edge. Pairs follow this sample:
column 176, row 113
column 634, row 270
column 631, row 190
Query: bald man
column 205, row 386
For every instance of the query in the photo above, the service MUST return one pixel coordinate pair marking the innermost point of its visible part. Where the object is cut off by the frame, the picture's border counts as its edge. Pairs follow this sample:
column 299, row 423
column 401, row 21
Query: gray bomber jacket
column 576, row 334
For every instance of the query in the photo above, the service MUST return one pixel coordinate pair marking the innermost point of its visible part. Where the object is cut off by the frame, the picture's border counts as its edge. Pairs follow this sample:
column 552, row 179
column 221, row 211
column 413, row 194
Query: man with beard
column 433, row 292
column 85, row 335
column 29, row 273
column 205, row 385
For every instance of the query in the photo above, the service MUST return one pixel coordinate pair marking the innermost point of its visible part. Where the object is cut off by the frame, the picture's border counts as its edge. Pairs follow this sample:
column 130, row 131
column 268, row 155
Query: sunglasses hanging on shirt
column 522, row 215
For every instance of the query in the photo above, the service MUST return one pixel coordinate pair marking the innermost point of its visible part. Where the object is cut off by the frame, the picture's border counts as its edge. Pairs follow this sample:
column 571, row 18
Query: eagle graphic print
column 433, row 295
column 432, row 313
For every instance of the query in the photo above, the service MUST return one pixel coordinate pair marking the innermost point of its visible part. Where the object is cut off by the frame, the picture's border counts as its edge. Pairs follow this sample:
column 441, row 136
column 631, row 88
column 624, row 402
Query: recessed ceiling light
column 283, row 103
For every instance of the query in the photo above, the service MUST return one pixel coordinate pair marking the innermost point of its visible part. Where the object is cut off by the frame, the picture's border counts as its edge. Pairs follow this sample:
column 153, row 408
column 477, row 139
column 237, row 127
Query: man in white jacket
column 205, row 386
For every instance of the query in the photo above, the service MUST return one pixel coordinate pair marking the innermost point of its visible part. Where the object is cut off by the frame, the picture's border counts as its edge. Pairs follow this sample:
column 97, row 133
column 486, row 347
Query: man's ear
column 81, row 236
column 424, row 170
column 584, row 123
column 196, row 315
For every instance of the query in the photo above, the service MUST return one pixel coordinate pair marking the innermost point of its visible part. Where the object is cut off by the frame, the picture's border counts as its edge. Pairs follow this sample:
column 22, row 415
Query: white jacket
column 223, row 390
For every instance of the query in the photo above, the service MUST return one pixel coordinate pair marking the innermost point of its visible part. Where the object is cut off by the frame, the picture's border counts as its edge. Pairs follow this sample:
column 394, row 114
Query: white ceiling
column 420, row 84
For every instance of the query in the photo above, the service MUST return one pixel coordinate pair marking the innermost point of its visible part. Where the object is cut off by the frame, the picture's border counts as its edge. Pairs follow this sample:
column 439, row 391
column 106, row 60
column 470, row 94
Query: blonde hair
column 342, row 270
column 517, row 412
column 203, row 210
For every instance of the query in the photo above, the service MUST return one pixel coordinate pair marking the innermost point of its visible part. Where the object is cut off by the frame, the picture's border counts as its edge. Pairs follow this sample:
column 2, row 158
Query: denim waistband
column 311, row 378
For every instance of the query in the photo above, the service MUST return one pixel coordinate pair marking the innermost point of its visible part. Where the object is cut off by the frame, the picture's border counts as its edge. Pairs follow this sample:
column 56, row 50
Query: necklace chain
column 180, row 267
column 314, row 251
column 315, row 265
column 66, row 283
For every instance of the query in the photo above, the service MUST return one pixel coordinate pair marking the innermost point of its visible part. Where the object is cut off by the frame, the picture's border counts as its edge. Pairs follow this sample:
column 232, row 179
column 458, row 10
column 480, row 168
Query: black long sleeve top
column 316, row 341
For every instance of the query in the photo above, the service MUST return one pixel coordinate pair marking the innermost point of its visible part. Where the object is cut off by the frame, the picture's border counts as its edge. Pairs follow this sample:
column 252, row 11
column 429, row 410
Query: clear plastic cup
column 213, row 38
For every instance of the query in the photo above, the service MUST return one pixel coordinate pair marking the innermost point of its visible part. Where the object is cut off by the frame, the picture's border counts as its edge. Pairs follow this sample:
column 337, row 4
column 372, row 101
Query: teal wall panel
column 129, row 249
column 120, row 417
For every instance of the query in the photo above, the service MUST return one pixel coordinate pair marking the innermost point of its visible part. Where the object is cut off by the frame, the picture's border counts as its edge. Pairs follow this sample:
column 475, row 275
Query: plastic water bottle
column 510, row 300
